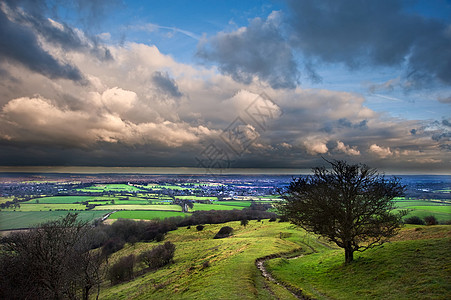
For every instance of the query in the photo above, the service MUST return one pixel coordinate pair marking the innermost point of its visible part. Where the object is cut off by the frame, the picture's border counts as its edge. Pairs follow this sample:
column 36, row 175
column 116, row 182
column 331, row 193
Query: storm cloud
column 18, row 43
column 143, row 107
column 256, row 50
column 380, row 33
column 352, row 32
column 23, row 29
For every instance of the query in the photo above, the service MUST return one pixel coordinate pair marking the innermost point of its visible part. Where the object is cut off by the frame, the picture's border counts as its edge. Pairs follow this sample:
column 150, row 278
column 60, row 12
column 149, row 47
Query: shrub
column 244, row 222
column 430, row 220
column 273, row 219
column 122, row 270
column 414, row 220
column 159, row 256
column 224, row 232
column 200, row 227
column 112, row 245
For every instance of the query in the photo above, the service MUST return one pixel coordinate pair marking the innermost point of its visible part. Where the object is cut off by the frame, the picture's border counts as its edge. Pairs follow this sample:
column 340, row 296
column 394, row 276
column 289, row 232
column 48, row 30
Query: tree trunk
column 349, row 253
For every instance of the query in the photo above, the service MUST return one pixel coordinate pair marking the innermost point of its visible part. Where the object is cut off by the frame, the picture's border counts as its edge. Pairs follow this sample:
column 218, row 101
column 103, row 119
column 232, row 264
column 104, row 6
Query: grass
column 201, row 206
column 403, row 269
column 234, row 203
column 415, row 265
column 110, row 188
column 46, row 207
column 14, row 220
column 60, row 199
column 139, row 207
column 423, row 208
column 146, row 215
column 231, row 273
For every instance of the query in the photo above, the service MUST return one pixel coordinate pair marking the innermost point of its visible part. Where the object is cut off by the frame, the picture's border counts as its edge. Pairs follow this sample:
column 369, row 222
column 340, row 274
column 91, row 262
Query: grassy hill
column 416, row 264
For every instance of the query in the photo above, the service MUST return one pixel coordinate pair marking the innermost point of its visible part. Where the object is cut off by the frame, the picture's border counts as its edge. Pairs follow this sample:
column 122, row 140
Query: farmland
column 154, row 197
column 26, row 219
column 201, row 263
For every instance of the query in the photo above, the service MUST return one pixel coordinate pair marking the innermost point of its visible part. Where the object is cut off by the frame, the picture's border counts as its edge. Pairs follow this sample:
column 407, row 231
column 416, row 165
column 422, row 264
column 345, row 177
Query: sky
column 226, row 84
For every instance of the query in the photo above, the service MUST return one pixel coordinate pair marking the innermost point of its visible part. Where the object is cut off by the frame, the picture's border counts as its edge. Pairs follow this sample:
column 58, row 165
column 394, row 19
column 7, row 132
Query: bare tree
column 349, row 204
column 52, row 261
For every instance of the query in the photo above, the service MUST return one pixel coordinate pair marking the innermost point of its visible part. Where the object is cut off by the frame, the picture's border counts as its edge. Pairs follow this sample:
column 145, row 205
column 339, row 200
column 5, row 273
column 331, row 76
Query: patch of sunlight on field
column 139, row 207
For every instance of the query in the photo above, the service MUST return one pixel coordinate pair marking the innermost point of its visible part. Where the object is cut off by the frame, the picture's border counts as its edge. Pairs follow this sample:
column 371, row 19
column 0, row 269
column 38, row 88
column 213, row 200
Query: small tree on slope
column 349, row 204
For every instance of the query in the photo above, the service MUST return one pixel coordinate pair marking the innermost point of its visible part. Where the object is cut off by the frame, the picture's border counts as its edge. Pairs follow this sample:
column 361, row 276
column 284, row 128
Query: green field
column 44, row 207
column 139, row 207
column 146, row 215
column 15, row 220
column 423, row 208
column 234, row 203
column 61, row 199
column 110, row 188
column 201, row 206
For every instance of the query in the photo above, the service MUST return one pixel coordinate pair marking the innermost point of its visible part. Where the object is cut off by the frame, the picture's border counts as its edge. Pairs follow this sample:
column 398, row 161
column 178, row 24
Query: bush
column 414, row 220
column 224, row 232
column 122, row 270
column 244, row 222
column 200, row 227
column 159, row 256
column 430, row 220
column 273, row 219
column 112, row 245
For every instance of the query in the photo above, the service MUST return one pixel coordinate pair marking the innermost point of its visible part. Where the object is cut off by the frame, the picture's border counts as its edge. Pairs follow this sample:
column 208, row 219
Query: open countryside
column 271, row 258
column 154, row 197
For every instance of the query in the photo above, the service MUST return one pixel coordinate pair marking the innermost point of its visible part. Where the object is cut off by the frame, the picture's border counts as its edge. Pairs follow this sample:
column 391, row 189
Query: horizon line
column 183, row 170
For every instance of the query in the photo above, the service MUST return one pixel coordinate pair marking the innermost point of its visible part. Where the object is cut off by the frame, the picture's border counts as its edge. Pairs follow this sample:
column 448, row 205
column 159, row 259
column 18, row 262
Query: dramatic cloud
column 258, row 50
column 33, row 40
column 379, row 33
column 355, row 33
column 18, row 43
column 137, row 106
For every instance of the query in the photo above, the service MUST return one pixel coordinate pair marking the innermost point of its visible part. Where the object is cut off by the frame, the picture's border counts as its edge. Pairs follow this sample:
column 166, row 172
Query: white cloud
column 347, row 149
column 315, row 145
column 382, row 152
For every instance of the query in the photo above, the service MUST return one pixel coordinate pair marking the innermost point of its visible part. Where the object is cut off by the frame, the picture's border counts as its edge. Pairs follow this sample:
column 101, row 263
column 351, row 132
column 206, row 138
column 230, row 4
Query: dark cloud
column 354, row 32
column 22, row 25
column 166, row 84
column 378, row 33
column 19, row 43
column 442, row 136
column 257, row 50
column 344, row 122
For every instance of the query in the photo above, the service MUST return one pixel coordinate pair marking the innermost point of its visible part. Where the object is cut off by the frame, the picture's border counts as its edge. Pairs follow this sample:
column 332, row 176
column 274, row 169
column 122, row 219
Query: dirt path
column 260, row 263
